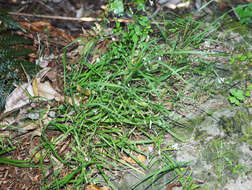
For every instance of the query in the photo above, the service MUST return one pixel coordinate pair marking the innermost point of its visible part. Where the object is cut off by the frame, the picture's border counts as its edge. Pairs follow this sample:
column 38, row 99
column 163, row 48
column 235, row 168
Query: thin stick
column 82, row 19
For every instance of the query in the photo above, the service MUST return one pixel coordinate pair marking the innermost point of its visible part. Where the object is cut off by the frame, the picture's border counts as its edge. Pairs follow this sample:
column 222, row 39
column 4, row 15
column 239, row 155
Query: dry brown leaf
column 34, row 87
column 54, row 76
column 44, row 61
column 76, row 100
column 45, row 90
column 128, row 159
column 87, row 92
column 93, row 187
column 46, row 28
column 172, row 185
column 19, row 97
column 79, row 88
column 37, row 132
column 140, row 157
column 35, row 26
column 30, row 126
column 36, row 157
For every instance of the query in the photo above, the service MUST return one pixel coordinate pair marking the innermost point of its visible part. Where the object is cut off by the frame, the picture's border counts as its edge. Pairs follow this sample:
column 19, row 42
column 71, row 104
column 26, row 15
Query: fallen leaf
column 140, row 157
column 175, row 184
column 44, row 61
column 29, row 126
column 93, row 187
column 76, row 100
column 54, row 76
column 46, row 28
column 19, row 97
column 45, row 90
column 36, row 157
column 34, row 87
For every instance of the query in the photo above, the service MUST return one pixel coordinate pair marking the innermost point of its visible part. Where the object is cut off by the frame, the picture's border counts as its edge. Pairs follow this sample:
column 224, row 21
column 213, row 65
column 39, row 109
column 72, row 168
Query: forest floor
column 135, row 96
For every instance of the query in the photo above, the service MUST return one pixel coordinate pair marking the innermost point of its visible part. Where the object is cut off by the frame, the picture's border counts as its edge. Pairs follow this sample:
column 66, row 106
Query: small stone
column 34, row 116
column 52, row 114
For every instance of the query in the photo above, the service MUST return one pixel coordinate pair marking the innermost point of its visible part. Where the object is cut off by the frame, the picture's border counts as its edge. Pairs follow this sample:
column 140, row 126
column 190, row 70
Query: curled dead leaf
column 19, row 97
column 45, row 90
column 22, row 94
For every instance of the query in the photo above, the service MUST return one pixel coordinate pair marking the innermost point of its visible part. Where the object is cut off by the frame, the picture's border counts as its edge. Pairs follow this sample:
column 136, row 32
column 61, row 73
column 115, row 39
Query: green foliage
column 247, row 93
column 241, row 64
column 244, row 12
column 10, row 40
column 224, row 158
column 187, row 32
column 236, row 96
column 140, row 4
column 12, row 57
column 137, row 32
column 116, row 7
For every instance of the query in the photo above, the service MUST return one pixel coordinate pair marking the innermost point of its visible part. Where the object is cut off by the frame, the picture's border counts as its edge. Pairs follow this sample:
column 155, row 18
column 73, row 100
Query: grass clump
column 122, row 113
column 127, row 92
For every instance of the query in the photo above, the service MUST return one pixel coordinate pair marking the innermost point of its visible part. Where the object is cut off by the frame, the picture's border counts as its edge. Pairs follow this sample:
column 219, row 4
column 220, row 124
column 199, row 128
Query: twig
column 82, row 19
